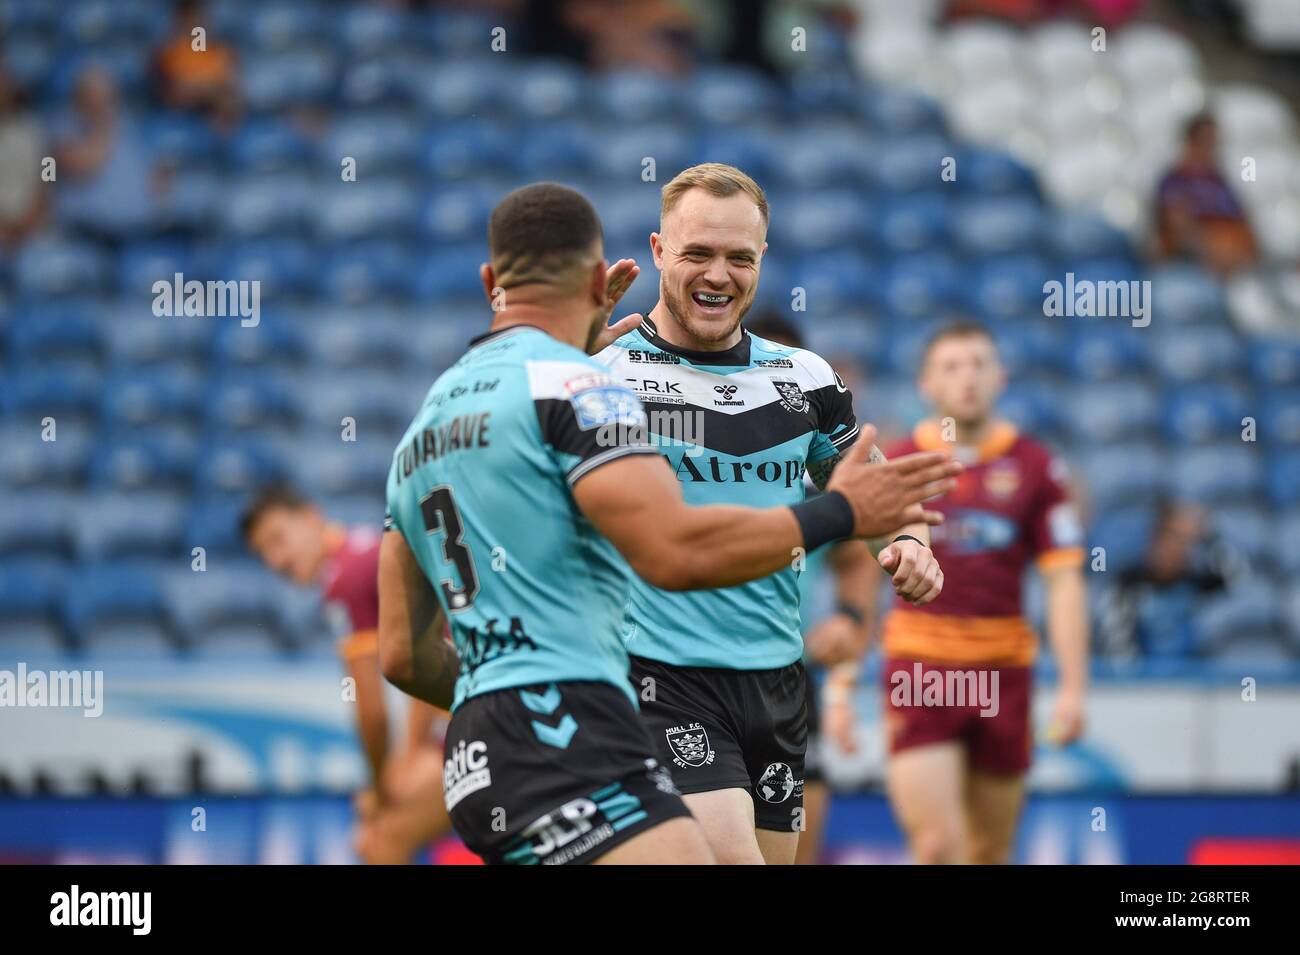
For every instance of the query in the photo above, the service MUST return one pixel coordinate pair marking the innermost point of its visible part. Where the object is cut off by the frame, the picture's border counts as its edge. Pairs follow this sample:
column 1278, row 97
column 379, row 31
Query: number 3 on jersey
column 440, row 513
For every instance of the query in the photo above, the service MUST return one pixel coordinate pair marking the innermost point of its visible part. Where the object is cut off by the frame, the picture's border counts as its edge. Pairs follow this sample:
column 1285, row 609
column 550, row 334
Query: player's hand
column 834, row 640
column 839, row 722
column 1066, row 724
column 916, row 575
column 367, row 804
column 888, row 496
column 618, row 279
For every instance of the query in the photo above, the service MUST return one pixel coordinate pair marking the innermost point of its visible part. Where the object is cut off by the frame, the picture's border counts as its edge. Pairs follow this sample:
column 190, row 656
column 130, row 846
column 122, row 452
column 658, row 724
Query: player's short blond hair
column 717, row 179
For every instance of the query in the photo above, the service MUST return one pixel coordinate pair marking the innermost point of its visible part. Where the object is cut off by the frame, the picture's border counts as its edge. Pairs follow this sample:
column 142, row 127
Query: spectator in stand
column 1153, row 609
column 23, row 199
column 1197, row 214
column 197, row 73
column 108, row 183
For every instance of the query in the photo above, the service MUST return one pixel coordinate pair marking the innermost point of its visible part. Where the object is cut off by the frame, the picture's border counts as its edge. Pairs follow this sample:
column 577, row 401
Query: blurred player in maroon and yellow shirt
column 956, row 777
column 402, row 810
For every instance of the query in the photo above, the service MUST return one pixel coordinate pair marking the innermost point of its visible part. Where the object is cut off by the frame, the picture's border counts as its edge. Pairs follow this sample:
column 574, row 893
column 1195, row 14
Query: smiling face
column 708, row 252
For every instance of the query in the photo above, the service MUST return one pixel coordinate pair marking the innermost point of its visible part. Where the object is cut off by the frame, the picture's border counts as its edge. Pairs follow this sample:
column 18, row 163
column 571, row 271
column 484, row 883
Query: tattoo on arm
column 820, row 471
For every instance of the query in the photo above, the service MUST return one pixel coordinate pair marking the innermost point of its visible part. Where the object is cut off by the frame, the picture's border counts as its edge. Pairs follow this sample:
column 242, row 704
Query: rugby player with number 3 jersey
column 519, row 496
column 719, row 673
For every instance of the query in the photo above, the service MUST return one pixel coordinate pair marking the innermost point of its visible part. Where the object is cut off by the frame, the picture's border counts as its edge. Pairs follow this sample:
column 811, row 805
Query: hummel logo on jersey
column 792, row 396
column 726, row 391
column 653, row 357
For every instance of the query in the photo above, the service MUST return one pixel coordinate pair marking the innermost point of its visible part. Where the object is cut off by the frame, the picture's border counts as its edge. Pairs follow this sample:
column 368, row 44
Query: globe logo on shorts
column 776, row 784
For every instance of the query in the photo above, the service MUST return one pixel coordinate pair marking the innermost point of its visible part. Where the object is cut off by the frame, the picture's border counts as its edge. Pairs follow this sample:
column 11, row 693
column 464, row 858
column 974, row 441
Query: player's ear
column 489, row 280
column 599, row 281
column 657, row 250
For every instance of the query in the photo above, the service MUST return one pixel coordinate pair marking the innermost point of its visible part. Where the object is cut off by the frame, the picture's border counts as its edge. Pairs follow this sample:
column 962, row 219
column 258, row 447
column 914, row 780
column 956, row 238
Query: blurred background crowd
column 346, row 155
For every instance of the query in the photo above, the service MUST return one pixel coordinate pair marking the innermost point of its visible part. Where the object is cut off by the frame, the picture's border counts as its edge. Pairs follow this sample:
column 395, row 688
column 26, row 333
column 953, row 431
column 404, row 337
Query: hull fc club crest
column 690, row 746
column 792, row 396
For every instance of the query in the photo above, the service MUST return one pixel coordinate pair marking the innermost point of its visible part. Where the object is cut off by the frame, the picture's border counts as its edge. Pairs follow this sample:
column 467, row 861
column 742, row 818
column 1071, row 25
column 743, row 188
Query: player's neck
column 674, row 333
column 561, row 324
column 974, row 433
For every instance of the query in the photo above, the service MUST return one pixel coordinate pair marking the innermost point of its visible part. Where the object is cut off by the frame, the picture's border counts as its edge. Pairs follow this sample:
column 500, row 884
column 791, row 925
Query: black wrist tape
column 909, row 537
column 824, row 519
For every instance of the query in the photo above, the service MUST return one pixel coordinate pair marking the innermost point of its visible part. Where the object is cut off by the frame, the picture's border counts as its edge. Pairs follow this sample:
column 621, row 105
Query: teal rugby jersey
column 738, row 427
column 480, row 488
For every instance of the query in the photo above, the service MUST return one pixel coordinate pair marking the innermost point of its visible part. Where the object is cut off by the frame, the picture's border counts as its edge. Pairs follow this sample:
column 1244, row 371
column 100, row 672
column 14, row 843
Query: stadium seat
column 51, row 389
column 1218, row 474
column 1104, row 352
column 1249, row 609
column 455, row 88
column 274, row 340
column 332, row 466
column 371, row 30
column 272, row 204
column 1117, row 476
column 134, row 396
column 137, row 337
column 1284, row 540
column 213, row 524
column 1008, row 287
column 378, row 81
column 825, row 94
column 369, row 271
column 1279, row 418
column 458, row 214
column 466, row 148
column 913, row 223
column 380, row 143
column 1074, row 234
column 182, row 140
column 275, row 26
column 230, row 465
column 1274, row 361
column 1113, row 411
column 1184, row 294
column 372, row 207
column 911, row 164
column 113, row 526
column 920, row 285
column 284, row 266
column 141, row 458
column 834, row 280
column 1123, row 533
column 141, row 264
column 29, row 461
column 1283, row 488
column 305, row 75
column 1200, row 413
column 250, row 401
column 997, row 226
column 267, row 145
column 622, row 154
column 549, row 90
column 35, row 524
column 733, row 96
column 897, row 112
column 1031, row 404
column 827, row 154
column 450, row 275
column 1195, row 353
column 56, row 331
column 51, row 265
column 637, row 97
column 30, row 594
column 116, row 606
column 828, row 219
column 221, row 611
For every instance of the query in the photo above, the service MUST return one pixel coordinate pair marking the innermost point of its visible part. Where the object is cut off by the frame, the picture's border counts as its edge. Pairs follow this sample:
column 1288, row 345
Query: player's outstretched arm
column 414, row 656
column 637, row 503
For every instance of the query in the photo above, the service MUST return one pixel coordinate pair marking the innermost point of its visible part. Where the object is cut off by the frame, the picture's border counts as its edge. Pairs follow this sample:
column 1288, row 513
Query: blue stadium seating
column 370, row 288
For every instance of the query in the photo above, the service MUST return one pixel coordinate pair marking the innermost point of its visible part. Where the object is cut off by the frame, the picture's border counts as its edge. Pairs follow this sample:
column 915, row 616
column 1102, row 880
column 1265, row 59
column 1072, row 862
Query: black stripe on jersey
column 754, row 429
column 593, row 446
column 737, row 354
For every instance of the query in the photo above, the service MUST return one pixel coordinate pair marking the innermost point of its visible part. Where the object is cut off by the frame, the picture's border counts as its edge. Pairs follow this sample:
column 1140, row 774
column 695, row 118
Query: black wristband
column 826, row 518
column 853, row 613
column 909, row 537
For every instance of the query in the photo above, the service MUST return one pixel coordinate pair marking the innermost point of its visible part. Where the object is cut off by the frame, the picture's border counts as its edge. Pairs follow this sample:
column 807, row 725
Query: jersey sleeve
column 1055, row 531
column 587, row 418
column 837, row 426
